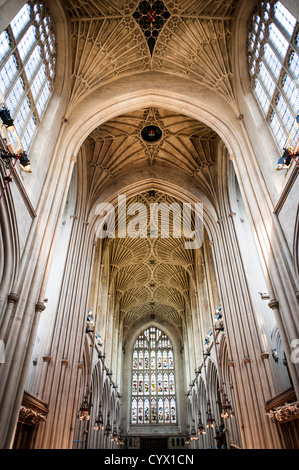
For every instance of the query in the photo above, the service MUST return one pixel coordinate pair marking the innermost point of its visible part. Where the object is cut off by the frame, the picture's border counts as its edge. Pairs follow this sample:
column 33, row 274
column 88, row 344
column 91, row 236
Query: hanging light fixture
column 211, row 423
column 187, row 441
column 114, row 437
column 200, row 427
column 99, row 422
column 226, row 408
column 194, row 436
column 108, row 426
column 84, row 410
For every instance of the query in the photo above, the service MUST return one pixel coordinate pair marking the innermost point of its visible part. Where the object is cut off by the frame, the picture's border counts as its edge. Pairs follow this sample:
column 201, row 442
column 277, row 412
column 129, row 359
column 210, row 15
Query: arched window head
column 273, row 60
column 153, row 379
column 27, row 69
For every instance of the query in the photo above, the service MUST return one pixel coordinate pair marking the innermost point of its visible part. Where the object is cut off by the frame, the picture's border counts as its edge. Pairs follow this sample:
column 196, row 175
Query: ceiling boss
column 151, row 17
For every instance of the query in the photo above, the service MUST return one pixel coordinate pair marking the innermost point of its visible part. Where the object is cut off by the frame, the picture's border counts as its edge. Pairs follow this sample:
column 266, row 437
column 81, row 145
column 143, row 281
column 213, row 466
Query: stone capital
column 273, row 304
column 40, row 307
column 13, row 298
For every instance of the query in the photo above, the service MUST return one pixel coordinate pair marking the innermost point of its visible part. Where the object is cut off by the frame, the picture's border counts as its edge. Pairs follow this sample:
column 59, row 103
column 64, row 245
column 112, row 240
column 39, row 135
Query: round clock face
column 151, row 133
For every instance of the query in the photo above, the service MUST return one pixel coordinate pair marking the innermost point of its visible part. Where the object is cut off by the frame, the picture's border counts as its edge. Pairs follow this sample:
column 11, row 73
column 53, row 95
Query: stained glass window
column 151, row 16
column 27, row 68
column 274, row 69
column 153, row 379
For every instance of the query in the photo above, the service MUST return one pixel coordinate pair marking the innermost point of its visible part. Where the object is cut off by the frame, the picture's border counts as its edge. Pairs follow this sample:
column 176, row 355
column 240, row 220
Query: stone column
column 252, row 382
column 274, row 257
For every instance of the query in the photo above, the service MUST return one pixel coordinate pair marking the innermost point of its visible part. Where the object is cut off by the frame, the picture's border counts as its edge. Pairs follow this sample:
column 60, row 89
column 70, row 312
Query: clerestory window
column 273, row 59
column 153, row 379
column 27, row 69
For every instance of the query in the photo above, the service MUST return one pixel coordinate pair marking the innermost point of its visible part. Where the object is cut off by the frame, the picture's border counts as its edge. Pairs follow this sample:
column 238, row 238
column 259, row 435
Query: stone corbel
column 31, row 417
column 286, row 412
column 40, row 307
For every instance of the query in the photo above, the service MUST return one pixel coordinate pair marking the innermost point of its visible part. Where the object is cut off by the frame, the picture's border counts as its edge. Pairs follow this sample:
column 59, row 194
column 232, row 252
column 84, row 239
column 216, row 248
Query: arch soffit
column 182, row 190
column 132, row 93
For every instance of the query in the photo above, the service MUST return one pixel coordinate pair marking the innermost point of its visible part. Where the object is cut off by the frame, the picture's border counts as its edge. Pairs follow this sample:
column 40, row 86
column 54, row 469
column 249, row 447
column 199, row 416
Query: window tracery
column 273, row 59
column 27, row 68
column 153, row 379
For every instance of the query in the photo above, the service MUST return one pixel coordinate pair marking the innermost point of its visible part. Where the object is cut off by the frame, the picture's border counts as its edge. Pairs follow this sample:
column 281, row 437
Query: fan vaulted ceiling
column 119, row 38
column 188, row 38
column 186, row 145
column 151, row 276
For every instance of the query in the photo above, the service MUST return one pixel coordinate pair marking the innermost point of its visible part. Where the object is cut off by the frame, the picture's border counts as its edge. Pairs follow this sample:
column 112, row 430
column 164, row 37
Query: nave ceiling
column 152, row 276
column 186, row 147
column 186, row 38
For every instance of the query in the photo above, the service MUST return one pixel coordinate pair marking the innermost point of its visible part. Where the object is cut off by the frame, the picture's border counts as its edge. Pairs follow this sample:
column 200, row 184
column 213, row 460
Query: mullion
column 289, row 38
column 15, row 42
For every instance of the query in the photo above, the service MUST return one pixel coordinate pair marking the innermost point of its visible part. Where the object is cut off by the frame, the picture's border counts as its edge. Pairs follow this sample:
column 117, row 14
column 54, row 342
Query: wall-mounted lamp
column 7, row 157
column 275, row 355
column 285, row 160
column 7, row 119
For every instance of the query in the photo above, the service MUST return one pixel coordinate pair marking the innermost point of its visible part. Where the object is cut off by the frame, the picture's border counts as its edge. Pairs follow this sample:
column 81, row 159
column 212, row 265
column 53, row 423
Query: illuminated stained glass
column 166, row 411
column 153, row 410
column 135, row 360
column 140, row 384
column 172, row 410
column 134, row 385
column 170, row 360
column 140, row 363
column 153, row 359
column 171, row 384
column 140, row 411
column 153, row 386
column 134, row 411
column 160, row 384
column 151, row 16
column 146, row 384
column 159, row 360
column 160, row 411
column 153, row 383
column 165, row 380
column 146, row 411
column 165, row 360
column 146, row 360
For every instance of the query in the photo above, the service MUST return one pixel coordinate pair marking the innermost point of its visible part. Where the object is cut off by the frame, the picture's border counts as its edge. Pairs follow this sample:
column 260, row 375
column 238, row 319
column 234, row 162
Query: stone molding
column 284, row 413
column 31, row 417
